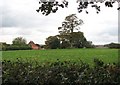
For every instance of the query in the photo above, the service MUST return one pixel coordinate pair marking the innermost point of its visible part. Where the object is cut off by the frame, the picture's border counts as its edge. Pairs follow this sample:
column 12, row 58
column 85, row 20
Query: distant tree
column 51, row 6
column 70, row 24
column 73, row 40
column 89, row 44
column 20, row 41
column 52, row 42
column 65, row 44
column 78, row 39
column 3, row 46
column 113, row 45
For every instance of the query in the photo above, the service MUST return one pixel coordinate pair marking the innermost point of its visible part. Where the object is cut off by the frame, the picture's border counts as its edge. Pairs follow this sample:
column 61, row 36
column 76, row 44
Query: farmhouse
column 34, row 46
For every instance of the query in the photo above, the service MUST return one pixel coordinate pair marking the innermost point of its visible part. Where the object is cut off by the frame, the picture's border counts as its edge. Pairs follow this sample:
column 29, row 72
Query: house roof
column 31, row 42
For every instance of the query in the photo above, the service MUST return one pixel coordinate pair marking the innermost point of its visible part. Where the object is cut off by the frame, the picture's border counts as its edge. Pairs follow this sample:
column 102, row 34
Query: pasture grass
column 51, row 55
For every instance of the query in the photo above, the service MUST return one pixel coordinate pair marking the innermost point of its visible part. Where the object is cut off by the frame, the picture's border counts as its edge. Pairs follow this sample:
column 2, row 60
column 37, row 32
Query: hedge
column 15, row 47
column 60, row 73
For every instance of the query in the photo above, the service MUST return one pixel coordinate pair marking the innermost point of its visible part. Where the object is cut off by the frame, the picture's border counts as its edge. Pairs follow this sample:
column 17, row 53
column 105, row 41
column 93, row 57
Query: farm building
column 34, row 46
column 100, row 46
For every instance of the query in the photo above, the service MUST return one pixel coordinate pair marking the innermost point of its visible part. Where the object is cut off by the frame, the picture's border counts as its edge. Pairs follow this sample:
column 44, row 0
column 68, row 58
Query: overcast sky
column 20, row 19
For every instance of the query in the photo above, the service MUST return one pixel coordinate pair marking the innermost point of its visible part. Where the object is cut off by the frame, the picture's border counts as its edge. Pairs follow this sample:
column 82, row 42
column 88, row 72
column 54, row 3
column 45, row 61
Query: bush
column 15, row 47
column 60, row 73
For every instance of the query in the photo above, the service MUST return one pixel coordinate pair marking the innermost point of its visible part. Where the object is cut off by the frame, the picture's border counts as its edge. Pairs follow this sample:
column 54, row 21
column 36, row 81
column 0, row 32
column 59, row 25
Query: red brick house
column 34, row 46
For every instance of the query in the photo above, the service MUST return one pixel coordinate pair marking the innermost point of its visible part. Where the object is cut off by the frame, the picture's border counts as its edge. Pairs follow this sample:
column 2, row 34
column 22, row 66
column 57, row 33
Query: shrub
column 60, row 73
column 15, row 47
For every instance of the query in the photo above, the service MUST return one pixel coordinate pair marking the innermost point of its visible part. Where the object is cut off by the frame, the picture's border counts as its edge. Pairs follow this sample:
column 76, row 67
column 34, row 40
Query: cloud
column 19, row 18
column 23, row 13
column 19, row 14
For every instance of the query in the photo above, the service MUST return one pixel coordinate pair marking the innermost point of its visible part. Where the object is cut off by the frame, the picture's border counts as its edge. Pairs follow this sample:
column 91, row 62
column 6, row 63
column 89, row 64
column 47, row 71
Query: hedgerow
column 60, row 73
column 15, row 47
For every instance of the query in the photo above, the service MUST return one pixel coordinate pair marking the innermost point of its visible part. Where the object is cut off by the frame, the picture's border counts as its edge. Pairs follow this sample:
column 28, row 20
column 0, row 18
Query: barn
column 34, row 46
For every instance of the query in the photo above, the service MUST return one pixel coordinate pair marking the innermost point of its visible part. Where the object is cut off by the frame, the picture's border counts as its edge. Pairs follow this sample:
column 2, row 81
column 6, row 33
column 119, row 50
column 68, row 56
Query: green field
column 87, row 55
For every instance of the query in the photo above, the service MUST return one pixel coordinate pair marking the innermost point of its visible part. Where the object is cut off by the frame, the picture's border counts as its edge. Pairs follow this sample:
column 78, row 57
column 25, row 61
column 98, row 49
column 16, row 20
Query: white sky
column 19, row 18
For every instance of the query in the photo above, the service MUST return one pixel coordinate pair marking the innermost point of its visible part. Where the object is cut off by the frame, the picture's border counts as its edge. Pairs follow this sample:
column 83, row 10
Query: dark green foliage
column 3, row 46
column 74, row 40
column 52, row 42
column 65, row 44
column 113, row 45
column 68, row 38
column 19, row 41
column 60, row 73
column 70, row 24
column 47, row 7
column 67, row 33
column 98, row 62
column 89, row 44
column 78, row 40
column 15, row 47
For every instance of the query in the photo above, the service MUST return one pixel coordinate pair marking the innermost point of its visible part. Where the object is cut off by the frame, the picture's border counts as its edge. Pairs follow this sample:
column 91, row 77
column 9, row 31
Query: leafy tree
column 3, row 46
column 78, row 39
column 52, row 42
column 70, row 36
column 20, row 41
column 51, row 6
column 89, row 44
column 73, row 40
column 70, row 24
column 67, row 33
column 65, row 44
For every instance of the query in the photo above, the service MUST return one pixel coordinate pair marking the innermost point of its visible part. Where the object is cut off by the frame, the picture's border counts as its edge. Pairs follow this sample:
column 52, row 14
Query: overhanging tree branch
column 51, row 6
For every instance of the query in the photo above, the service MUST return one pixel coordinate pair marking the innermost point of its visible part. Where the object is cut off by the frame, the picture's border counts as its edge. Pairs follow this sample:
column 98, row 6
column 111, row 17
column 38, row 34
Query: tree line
column 113, row 45
column 18, row 43
column 69, row 36
column 71, row 40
